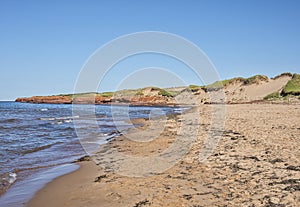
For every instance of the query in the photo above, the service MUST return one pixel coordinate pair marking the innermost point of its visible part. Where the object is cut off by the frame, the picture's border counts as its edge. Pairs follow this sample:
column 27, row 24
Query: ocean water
column 35, row 139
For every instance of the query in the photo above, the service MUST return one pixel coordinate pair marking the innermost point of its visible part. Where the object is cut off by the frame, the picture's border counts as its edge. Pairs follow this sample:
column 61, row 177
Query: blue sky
column 44, row 44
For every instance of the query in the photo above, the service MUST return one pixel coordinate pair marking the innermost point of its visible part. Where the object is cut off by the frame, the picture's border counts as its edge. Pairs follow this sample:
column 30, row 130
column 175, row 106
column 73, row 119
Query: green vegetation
column 107, row 94
column 104, row 94
column 287, row 74
column 232, row 80
column 215, row 86
column 163, row 92
column 287, row 97
column 173, row 93
column 293, row 86
column 254, row 79
column 154, row 89
column 88, row 94
column 195, row 88
column 139, row 93
column 69, row 95
column 220, row 84
column 127, row 92
column 245, row 81
column 272, row 96
column 283, row 74
column 79, row 94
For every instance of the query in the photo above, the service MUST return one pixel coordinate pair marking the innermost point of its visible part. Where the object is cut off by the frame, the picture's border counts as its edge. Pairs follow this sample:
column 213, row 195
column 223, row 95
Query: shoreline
column 248, row 167
column 32, row 174
column 64, row 184
column 24, row 190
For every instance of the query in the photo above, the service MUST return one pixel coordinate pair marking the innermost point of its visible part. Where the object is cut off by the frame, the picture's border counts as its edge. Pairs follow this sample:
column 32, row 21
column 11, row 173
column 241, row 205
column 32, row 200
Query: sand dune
column 236, row 90
column 256, row 91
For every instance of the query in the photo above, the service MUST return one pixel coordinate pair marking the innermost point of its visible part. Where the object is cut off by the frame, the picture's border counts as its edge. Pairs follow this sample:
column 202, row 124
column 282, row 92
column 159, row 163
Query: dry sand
column 256, row 163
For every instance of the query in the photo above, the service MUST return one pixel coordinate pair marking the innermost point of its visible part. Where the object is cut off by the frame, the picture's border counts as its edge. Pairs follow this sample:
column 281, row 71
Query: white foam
column 68, row 121
column 44, row 109
column 47, row 119
column 12, row 177
column 67, row 117
column 60, row 118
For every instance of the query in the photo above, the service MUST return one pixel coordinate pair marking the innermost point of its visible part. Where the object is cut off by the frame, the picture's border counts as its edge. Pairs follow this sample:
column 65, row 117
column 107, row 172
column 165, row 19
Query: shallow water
column 35, row 138
column 21, row 192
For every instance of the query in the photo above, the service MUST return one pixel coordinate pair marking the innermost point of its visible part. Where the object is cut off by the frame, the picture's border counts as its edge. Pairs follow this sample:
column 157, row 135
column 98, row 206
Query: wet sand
column 256, row 163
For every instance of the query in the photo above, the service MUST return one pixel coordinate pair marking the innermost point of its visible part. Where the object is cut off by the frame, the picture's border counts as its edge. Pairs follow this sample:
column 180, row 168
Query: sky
column 45, row 44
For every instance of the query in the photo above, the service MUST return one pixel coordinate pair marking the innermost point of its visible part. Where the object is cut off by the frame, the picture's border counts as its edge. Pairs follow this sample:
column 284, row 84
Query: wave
column 59, row 118
column 12, row 177
column 6, row 180
column 11, row 120
column 38, row 148
column 47, row 119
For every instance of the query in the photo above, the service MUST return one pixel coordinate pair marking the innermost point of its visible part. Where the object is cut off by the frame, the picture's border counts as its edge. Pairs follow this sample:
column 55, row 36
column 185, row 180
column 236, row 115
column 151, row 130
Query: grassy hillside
column 245, row 81
column 273, row 96
column 293, row 86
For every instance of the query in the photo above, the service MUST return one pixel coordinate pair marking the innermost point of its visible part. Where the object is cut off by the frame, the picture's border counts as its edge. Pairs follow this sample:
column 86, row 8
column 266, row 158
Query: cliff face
column 236, row 90
column 46, row 99
column 123, row 99
column 98, row 99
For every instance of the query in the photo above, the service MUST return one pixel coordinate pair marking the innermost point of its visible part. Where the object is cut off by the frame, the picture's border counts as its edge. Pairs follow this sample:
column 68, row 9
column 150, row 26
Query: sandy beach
column 150, row 103
column 256, row 163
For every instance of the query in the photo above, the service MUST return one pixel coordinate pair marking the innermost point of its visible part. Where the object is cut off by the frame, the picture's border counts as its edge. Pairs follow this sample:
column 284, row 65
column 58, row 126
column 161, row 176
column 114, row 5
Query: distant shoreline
column 259, row 88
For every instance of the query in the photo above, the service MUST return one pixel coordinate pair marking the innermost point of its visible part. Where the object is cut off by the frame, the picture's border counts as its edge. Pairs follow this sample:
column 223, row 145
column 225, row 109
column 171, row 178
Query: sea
column 38, row 142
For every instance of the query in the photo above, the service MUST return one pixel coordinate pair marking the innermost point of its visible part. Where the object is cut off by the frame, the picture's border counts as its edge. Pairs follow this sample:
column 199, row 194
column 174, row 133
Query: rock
column 84, row 158
column 295, row 168
column 187, row 197
column 292, row 188
column 142, row 203
column 99, row 178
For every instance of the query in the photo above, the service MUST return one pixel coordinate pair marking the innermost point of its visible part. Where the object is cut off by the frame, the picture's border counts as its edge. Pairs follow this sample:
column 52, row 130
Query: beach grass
column 273, row 96
column 220, row 84
column 166, row 93
column 255, row 79
column 106, row 94
column 78, row 94
column 293, row 86
column 139, row 93
column 195, row 88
